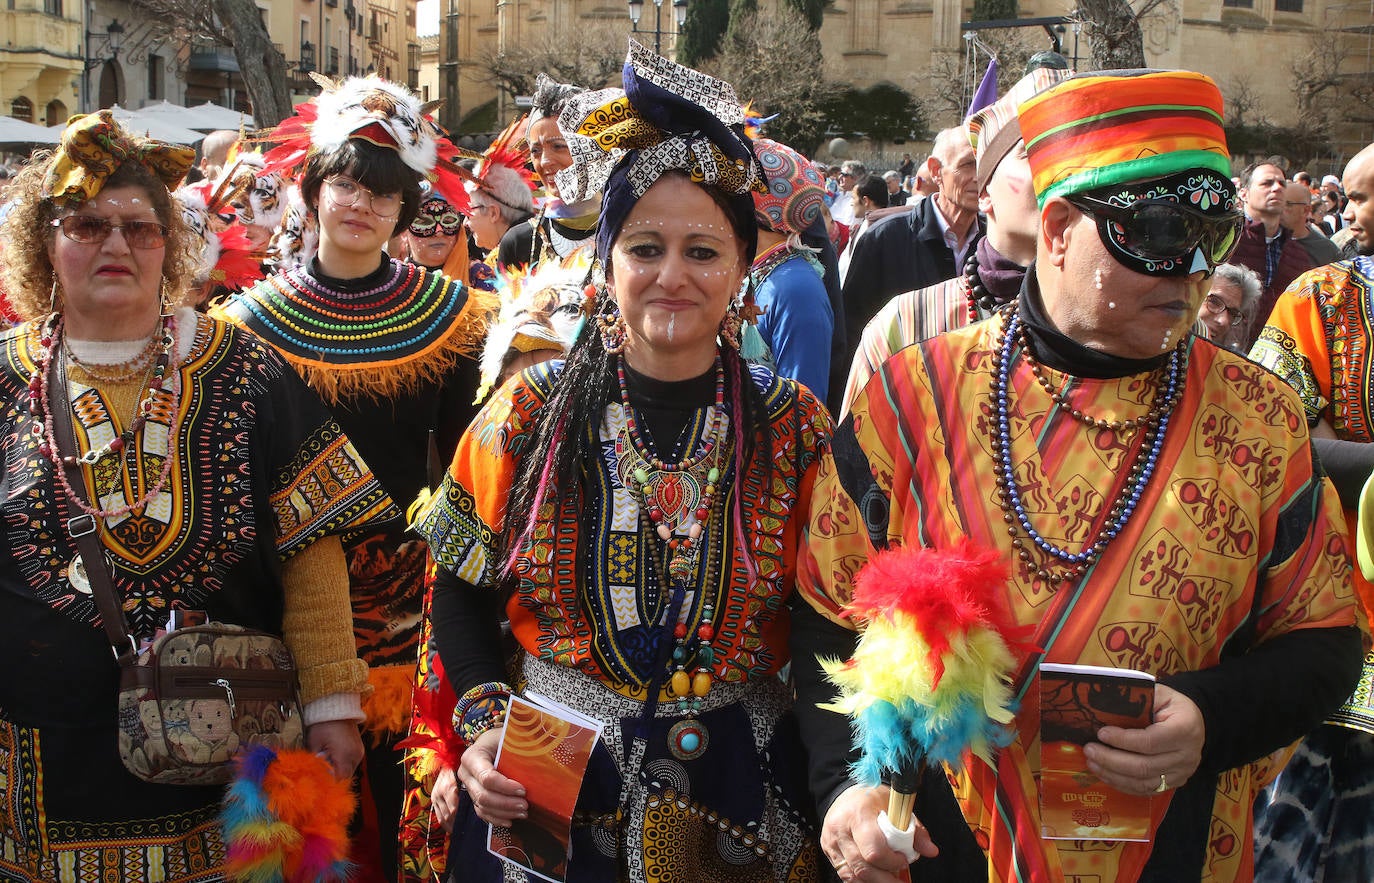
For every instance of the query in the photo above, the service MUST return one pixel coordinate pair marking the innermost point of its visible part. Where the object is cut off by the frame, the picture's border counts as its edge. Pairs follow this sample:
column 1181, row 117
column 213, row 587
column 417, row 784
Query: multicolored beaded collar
column 377, row 342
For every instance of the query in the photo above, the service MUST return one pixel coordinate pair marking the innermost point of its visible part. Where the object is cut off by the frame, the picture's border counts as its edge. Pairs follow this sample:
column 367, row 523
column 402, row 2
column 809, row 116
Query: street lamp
column 113, row 40
column 637, row 12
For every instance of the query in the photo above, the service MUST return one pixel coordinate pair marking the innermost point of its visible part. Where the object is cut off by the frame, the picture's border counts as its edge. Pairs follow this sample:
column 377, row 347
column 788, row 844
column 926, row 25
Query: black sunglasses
column 1161, row 229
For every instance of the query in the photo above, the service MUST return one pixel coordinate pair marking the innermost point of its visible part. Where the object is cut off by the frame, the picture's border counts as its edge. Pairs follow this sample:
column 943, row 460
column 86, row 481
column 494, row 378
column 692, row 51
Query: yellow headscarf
column 95, row 145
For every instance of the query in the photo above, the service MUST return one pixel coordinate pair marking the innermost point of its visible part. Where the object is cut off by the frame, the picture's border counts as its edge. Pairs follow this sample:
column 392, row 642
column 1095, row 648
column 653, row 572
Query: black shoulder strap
column 84, row 529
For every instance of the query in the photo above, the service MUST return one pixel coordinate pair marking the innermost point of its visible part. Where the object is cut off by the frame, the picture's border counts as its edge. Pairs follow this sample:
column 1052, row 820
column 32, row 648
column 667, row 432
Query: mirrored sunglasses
column 88, row 229
column 1161, row 231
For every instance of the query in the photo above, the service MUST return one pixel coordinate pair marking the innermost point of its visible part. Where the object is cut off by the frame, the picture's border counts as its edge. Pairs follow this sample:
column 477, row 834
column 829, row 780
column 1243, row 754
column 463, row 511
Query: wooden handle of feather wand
column 896, row 823
column 902, row 796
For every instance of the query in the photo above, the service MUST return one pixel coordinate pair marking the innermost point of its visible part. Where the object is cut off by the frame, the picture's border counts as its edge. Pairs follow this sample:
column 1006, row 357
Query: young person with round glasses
column 386, row 343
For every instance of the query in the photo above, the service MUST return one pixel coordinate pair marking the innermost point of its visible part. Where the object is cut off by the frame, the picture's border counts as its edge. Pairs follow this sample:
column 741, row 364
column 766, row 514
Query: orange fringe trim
column 396, row 376
column 388, row 706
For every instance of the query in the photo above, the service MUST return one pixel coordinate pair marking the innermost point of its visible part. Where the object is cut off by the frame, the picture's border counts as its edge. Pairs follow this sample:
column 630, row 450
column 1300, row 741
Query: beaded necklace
column 312, row 288
column 276, row 303
column 122, row 372
column 41, row 411
column 673, row 496
column 979, row 298
column 1168, row 389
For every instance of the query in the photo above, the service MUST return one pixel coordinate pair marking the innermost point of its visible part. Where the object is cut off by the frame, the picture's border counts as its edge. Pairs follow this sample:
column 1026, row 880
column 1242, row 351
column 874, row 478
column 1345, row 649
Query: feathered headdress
column 226, row 257
column 510, row 149
column 539, row 311
column 370, row 109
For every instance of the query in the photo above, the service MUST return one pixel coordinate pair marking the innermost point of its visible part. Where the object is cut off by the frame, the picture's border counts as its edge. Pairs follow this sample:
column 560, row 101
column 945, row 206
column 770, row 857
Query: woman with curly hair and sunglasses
column 386, row 343
column 189, row 434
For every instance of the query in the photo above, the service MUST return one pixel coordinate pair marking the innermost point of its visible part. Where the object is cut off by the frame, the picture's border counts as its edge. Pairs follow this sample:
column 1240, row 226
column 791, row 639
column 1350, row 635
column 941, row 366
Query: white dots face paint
column 674, row 266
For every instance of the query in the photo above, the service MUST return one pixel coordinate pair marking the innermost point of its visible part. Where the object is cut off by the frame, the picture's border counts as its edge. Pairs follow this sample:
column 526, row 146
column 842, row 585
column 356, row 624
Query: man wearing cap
column 1155, row 497
column 1265, row 246
column 992, row 273
column 1315, row 824
column 919, row 247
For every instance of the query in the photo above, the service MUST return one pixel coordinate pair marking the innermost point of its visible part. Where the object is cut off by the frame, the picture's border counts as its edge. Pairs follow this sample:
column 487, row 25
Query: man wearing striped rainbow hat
column 1155, row 497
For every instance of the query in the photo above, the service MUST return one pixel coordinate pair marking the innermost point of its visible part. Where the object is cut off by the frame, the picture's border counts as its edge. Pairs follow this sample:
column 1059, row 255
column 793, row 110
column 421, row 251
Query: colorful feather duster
column 929, row 679
column 285, row 819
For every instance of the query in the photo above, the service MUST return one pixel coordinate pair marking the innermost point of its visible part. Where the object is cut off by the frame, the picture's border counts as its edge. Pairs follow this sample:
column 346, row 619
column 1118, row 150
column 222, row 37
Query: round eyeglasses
column 345, row 192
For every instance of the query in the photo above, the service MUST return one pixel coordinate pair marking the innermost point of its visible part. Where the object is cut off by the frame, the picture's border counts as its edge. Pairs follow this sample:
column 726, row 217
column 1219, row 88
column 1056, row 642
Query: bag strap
column 84, row 529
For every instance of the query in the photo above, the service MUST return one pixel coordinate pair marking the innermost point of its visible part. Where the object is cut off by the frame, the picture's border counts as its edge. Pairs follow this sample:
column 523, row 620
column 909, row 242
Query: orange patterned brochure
column 1075, row 702
column 545, row 747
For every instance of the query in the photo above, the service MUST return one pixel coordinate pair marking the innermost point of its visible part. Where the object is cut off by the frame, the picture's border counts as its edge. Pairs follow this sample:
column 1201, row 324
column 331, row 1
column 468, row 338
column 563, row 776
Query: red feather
column 238, row 265
column 946, row 593
column 292, row 137
column 448, row 179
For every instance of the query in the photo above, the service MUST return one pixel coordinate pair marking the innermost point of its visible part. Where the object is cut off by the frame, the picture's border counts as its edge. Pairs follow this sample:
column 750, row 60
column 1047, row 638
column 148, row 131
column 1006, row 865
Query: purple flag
column 987, row 90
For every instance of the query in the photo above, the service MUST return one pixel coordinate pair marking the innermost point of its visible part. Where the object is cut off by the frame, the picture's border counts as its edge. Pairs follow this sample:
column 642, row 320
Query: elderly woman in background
column 192, row 435
column 499, row 200
column 630, row 511
column 1229, row 304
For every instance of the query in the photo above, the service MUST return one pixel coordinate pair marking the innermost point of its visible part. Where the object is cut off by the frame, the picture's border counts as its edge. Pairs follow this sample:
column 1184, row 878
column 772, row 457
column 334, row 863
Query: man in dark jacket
column 921, row 247
column 1265, row 246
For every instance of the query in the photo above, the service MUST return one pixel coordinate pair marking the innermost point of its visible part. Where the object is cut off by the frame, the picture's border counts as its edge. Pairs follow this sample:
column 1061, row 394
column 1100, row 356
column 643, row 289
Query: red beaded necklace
column 41, row 411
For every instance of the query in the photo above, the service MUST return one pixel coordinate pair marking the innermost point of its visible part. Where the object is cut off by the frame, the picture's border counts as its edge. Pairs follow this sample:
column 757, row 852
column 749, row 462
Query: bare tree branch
column 589, row 56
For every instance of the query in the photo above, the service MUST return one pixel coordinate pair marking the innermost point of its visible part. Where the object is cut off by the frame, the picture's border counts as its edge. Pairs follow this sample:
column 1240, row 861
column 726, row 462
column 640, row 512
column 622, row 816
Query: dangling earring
column 1097, row 278
column 730, row 325
column 751, row 343
column 597, row 300
column 164, row 302
column 612, row 327
column 52, row 296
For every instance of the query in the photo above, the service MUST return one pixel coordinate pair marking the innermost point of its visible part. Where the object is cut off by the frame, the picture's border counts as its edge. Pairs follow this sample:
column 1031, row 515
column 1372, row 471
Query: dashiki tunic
column 586, row 614
column 1235, row 541
column 260, row 471
column 386, row 352
column 1317, row 339
column 1316, row 819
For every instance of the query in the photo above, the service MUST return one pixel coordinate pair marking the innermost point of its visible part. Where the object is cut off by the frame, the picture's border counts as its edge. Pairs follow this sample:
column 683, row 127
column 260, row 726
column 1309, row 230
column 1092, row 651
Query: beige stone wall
column 41, row 60
column 918, row 45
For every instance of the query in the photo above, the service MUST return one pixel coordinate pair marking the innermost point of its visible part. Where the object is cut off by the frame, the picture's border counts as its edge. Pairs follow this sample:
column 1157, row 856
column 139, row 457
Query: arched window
column 55, row 113
column 21, row 108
